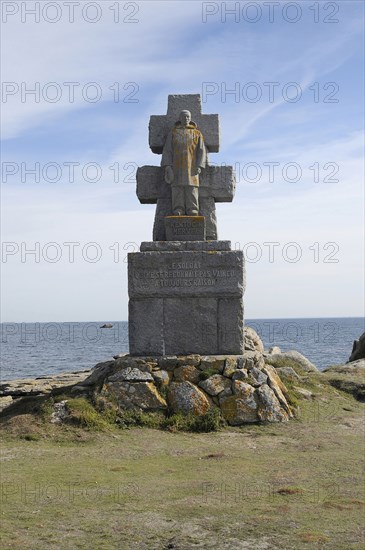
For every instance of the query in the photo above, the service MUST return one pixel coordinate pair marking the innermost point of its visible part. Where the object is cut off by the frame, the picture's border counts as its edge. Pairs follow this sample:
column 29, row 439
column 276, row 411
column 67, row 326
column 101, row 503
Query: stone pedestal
column 186, row 297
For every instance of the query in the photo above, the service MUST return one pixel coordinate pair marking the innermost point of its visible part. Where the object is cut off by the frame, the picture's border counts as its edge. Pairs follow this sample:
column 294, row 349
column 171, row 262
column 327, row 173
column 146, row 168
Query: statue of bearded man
column 184, row 155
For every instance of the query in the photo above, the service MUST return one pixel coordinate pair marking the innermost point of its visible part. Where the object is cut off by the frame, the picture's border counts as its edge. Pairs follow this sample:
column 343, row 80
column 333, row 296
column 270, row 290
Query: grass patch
column 208, row 422
column 83, row 414
column 289, row 486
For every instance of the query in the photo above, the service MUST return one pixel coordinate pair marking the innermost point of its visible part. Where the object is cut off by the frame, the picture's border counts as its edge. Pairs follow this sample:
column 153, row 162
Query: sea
column 29, row 350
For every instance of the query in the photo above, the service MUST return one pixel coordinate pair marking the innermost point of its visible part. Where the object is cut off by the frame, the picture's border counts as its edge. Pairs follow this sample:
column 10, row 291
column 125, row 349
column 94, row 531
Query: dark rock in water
column 358, row 349
column 107, row 325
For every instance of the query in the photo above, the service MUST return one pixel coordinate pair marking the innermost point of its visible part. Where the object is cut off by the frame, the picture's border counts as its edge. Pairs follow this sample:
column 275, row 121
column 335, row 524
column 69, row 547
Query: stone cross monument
column 217, row 183
column 185, row 287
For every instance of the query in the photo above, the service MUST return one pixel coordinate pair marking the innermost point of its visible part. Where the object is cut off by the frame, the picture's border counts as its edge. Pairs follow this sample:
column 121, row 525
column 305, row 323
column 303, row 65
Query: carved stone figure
column 183, row 157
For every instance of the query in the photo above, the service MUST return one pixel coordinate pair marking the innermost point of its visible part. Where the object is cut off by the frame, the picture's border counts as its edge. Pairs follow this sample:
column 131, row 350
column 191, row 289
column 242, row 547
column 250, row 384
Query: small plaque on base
column 185, row 228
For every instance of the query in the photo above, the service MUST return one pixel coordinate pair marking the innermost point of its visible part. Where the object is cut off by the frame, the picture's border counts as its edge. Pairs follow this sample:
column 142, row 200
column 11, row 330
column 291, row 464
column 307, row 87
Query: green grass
column 275, row 486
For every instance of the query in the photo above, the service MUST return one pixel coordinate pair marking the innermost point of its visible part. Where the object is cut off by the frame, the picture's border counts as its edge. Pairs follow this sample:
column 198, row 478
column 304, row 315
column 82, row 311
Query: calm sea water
column 29, row 350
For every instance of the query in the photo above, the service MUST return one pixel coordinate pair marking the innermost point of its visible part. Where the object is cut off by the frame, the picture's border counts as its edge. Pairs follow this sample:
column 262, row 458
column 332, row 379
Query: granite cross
column 217, row 183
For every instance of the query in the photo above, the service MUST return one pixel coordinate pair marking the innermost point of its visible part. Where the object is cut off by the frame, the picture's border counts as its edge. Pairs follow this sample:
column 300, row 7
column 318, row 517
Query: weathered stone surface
column 274, row 349
column 290, row 359
column 187, row 273
column 192, row 246
column 187, row 398
column 60, row 412
column 130, row 375
column 303, row 392
column 269, row 408
column 240, row 408
column 185, row 228
column 141, row 362
column 217, row 183
column 187, row 373
column 215, row 384
column 252, row 340
column 278, row 387
column 135, row 395
column 230, row 366
column 42, row 384
column 133, row 383
column 355, row 367
column 146, row 327
column 216, row 362
column 240, row 374
column 250, row 359
column 230, row 326
column 5, row 401
column 170, row 362
column 161, row 377
column 358, row 349
column 190, row 325
column 99, row 372
column 348, row 378
column 257, row 377
column 288, row 372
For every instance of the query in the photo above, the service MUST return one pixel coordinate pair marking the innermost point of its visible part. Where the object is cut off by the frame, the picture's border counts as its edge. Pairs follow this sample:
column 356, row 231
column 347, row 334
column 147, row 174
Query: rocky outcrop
column 252, row 340
column 291, row 359
column 187, row 398
column 187, row 384
column 42, row 385
column 358, row 349
column 348, row 377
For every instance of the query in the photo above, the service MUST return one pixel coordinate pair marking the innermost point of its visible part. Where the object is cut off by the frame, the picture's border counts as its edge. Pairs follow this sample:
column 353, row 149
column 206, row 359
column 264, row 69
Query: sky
column 79, row 83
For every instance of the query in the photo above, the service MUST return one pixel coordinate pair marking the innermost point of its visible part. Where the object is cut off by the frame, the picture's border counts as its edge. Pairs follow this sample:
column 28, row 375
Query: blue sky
column 169, row 49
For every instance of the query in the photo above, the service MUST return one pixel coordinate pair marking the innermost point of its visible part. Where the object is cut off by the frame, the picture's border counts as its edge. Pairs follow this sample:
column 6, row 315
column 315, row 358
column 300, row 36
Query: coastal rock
column 141, row 363
column 135, row 395
column 42, row 384
column 358, row 349
column 240, row 374
column 107, row 325
column 230, row 366
column 269, row 408
column 161, row 377
column 5, row 402
column 355, row 367
column 171, row 362
column 130, row 375
column 215, row 362
column 187, row 398
column 348, row 378
column 187, row 373
column 99, row 373
column 256, row 377
column 303, row 392
column 290, row 359
column 60, row 412
column 288, row 373
column 278, row 387
column 274, row 349
column 241, row 407
column 252, row 340
column 215, row 384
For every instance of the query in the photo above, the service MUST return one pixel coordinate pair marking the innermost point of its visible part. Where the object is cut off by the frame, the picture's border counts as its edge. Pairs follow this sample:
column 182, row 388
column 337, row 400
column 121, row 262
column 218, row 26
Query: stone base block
column 183, row 326
column 186, row 301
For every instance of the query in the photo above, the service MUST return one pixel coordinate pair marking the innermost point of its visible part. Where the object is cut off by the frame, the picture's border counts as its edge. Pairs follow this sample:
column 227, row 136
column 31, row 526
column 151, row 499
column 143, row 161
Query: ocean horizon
column 29, row 350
